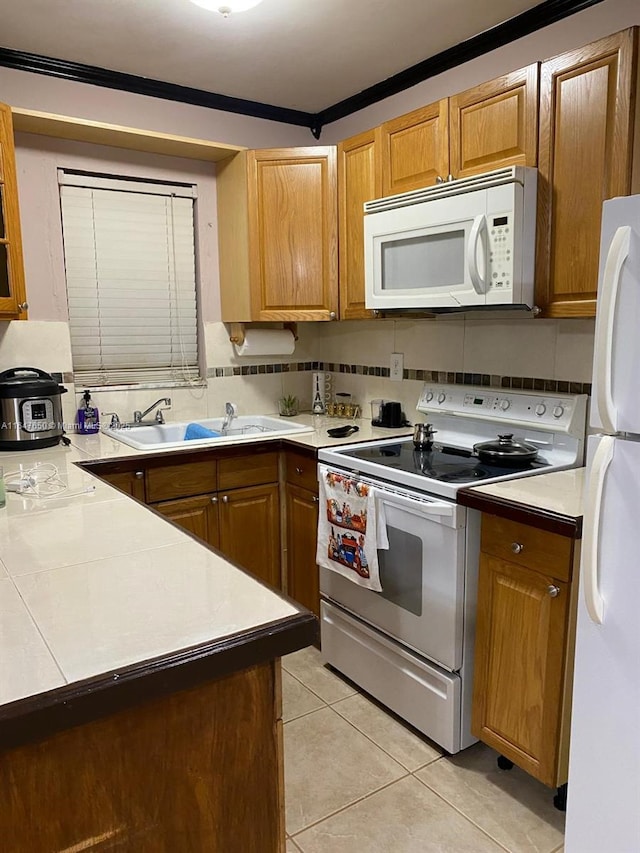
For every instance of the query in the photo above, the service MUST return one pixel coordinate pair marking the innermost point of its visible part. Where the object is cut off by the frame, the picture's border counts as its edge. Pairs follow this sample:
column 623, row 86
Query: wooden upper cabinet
column 495, row 124
column 12, row 286
column 278, row 238
column 359, row 180
column 586, row 142
column 414, row 148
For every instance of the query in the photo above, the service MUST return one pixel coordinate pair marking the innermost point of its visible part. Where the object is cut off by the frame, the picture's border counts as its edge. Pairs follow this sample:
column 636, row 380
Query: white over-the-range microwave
column 464, row 244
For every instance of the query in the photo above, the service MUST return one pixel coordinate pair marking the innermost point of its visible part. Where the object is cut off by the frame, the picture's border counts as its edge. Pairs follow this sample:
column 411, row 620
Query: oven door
column 422, row 575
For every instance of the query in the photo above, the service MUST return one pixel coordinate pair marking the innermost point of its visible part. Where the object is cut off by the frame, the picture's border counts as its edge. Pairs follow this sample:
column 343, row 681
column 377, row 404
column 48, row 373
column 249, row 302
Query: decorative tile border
column 524, row 383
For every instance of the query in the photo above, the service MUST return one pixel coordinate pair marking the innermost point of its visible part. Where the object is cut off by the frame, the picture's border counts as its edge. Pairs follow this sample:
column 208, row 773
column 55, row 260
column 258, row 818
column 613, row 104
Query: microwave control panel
column 501, row 252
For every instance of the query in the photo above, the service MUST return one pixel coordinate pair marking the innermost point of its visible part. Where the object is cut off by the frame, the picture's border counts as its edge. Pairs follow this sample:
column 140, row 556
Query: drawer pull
column 214, row 499
column 298, row 470
column 517, row 547
column 554, row 591
column 139, row 475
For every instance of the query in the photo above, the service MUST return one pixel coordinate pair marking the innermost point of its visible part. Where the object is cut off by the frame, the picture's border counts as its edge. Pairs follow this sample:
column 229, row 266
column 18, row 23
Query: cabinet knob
column 214, row 499
column 554, row 591
column 332, row 315
column 517, row 547
column 316, row 499
column 439, row 179
column 225, row 499
column 23, row 306
column 139, row 475
column 298, row 470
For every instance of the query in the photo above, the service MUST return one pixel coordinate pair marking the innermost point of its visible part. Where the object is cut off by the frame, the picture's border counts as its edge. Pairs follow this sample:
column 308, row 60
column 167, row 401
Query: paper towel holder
column 237, row 330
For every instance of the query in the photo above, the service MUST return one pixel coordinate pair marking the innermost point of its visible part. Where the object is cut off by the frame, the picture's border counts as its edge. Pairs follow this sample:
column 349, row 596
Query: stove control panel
column 544, row 411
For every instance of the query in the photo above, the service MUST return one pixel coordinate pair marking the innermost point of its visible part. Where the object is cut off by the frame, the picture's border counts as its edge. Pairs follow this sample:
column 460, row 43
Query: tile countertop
column 92, row 582
column 551, row 501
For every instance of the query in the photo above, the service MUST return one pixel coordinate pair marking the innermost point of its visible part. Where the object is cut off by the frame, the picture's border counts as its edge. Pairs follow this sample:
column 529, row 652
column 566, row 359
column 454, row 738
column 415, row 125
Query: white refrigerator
column 603, row 802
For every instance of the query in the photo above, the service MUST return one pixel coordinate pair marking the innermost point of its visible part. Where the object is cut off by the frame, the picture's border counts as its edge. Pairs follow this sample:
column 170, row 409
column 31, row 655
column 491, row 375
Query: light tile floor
column 357, row 780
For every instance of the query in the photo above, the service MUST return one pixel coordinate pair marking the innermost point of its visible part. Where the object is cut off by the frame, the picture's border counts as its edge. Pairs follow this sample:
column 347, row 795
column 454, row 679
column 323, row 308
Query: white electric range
column 411, row 645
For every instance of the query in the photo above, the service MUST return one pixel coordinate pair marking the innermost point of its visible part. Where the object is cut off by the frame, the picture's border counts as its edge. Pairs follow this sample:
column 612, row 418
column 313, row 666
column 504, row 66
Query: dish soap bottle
column 88, row 419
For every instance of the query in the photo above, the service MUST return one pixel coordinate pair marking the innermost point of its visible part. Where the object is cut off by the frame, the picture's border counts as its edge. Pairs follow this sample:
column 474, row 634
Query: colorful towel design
column 350, row 528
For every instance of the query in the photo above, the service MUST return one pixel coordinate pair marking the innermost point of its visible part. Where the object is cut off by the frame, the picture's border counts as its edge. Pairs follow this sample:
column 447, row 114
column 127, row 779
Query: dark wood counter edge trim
column 38, row 717
column 543, row 519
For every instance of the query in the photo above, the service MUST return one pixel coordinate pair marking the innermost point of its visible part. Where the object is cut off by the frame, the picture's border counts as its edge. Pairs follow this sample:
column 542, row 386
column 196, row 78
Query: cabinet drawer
column 250, row 470
column 301, row 470
column 523, row 545
column 181, row 480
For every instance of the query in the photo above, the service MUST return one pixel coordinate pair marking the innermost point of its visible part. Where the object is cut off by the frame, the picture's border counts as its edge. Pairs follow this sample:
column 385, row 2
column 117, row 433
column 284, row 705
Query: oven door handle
column 415, row 505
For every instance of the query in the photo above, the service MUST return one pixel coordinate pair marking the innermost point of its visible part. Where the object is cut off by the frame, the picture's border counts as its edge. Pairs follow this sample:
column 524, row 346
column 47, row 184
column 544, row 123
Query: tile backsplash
column 545, row 355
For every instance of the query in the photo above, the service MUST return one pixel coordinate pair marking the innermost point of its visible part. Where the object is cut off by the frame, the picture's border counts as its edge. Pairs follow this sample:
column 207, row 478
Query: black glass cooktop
column 447, row 464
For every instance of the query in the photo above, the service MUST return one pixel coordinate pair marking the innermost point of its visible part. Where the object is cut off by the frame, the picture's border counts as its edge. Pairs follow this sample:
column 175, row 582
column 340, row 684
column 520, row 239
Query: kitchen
column 518, row 351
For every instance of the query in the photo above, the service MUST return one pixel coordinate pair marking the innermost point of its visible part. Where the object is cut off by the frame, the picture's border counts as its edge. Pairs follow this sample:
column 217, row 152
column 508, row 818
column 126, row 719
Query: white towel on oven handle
column 351, row 528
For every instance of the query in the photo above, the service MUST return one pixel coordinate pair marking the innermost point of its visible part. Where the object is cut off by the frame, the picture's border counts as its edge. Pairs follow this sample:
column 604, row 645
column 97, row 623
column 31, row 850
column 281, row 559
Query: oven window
column 429, row 260
column 401, row 570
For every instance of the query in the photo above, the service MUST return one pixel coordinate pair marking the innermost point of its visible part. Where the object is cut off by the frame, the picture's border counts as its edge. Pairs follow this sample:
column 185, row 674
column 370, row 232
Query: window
column 131, row 287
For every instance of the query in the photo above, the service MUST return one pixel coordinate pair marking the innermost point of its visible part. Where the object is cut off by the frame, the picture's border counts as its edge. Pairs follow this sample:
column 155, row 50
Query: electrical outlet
column 396, row 367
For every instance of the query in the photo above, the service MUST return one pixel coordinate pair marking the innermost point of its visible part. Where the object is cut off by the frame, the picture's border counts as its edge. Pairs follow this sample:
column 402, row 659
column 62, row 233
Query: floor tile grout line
column 462, row 814
column 386, row 751
column 347, row 806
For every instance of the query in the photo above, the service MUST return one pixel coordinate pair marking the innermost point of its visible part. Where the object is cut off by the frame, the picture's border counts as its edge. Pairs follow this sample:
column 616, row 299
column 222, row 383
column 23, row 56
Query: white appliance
column 603, row 801
column 411, row 645
column 460, row 244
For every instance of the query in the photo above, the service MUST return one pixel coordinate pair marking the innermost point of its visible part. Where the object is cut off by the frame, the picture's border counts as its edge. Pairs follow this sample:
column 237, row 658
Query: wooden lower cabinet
column 200, row 769
column 198, row 515
column 524, row 644
column 250, row 530
column 302, row 524
column 130, row 482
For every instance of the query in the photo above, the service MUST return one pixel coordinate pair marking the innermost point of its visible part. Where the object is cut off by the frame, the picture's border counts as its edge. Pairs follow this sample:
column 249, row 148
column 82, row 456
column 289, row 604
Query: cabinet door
column 250, row 530
column 359, row 180
column 12, row 287
column 414, row 148
column 495, row 124
column 586, row 126
column 130, row 482
column 198, row 515
column 302, row 526
column 293, row 228
column 521, row 634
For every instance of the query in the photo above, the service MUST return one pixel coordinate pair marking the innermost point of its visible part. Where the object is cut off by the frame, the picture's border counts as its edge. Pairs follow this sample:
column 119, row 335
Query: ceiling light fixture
column 226, row 7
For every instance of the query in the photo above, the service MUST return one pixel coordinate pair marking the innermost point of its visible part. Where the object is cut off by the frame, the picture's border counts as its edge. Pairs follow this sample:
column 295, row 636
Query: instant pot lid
column 20, row 382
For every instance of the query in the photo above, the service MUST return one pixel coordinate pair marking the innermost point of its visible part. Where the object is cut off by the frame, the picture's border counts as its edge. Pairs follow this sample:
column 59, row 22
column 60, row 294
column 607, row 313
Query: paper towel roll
column 266, row 342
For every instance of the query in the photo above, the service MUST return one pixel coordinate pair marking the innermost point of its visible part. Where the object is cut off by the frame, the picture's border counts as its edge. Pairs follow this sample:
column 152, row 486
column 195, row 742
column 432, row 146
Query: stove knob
column 429, row 396
column 442, row 397
column 540, row 409
column 505, row 404
column 558, row 411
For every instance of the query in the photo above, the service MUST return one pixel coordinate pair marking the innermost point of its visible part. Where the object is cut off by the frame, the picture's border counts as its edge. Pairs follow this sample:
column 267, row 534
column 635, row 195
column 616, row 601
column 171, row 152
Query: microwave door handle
column 478, row 232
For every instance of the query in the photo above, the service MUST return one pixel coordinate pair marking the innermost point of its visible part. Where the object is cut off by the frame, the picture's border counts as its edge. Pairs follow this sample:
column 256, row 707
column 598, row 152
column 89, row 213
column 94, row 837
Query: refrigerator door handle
column 592, row 513
column 607, row 300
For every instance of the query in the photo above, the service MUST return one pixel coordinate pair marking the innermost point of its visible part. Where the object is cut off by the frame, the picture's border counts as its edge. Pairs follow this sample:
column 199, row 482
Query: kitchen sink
column 243, row 428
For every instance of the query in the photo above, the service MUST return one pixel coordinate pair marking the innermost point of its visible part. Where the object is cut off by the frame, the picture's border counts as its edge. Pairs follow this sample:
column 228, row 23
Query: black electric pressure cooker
column 30, row 409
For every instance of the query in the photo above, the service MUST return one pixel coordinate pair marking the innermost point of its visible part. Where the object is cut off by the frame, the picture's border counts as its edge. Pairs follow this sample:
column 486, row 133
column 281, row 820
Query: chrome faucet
column 229, row 414
column 159, row 418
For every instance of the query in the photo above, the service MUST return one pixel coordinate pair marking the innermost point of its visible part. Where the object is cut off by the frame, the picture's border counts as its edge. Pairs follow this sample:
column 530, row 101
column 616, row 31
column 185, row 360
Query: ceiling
column 299, row 54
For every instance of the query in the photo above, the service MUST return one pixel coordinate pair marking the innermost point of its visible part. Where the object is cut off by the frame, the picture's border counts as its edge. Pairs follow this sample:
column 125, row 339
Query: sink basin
column 243, row 428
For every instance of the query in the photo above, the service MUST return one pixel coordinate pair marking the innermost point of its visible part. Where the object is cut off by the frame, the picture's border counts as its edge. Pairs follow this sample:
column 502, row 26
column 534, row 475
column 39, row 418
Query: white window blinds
column 131, row 289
